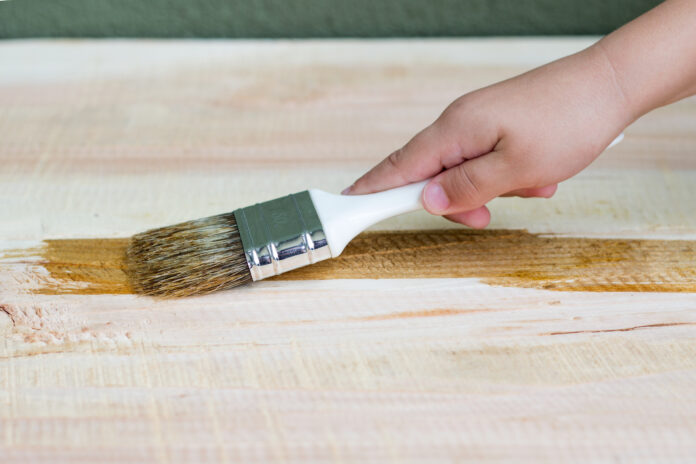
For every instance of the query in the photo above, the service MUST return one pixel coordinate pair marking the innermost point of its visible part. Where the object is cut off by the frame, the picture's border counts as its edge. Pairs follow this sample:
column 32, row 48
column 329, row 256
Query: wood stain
column 510, row 258
column 516, row 258
column 84, row 266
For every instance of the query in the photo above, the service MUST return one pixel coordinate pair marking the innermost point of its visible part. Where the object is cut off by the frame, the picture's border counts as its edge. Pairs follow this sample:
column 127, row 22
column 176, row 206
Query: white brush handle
column 345, row 216
column 618, row 139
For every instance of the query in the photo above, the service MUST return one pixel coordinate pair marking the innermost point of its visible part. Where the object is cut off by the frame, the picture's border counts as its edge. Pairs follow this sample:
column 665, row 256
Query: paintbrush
column 253, row 243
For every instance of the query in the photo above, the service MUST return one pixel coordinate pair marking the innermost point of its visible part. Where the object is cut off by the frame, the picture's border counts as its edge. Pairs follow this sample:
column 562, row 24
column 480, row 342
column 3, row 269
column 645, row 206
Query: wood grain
column 458, row 353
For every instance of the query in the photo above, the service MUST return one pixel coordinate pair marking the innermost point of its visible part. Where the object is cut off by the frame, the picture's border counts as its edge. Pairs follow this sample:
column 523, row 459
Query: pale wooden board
column 103, row 139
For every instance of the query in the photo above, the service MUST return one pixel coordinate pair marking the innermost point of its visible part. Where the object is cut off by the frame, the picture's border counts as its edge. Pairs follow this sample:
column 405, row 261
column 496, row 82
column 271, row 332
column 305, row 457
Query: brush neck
column 345, row 216
column 281, row 235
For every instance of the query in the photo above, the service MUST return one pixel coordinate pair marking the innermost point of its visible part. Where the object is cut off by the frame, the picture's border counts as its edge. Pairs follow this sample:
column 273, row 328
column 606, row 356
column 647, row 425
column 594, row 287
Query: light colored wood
column 103, row 139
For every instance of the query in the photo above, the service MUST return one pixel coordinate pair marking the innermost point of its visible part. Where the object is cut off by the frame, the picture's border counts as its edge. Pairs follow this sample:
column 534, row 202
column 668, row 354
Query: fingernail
column 347, row 190
column 435, row 198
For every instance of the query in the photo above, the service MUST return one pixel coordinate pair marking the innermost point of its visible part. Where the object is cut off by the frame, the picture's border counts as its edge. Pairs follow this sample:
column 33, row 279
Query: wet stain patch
column 80, row 266
column 516, row 258
column 510, row 258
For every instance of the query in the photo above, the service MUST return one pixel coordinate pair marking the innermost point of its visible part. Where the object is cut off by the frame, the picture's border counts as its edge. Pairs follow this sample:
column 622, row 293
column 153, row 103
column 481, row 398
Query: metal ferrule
column 281, row 235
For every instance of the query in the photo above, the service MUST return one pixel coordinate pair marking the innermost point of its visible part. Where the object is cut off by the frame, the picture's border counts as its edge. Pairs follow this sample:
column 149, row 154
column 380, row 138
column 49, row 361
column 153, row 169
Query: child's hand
column 518, row 137
column 524, row 135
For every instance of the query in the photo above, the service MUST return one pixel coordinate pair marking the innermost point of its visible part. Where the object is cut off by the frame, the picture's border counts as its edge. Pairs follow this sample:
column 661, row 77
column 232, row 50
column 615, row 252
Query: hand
column 518, row 137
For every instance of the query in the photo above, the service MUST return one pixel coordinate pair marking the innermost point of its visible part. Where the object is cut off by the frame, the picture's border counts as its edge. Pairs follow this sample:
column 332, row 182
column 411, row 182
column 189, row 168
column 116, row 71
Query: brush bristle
column 191, row 258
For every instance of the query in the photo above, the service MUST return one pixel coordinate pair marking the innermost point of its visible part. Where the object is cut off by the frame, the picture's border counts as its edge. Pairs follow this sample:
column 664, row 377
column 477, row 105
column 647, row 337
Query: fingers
column 470, row 185
column 419, row 159
column 476, row 219
column 479, row 218
column 536, row 192
column 455, row 137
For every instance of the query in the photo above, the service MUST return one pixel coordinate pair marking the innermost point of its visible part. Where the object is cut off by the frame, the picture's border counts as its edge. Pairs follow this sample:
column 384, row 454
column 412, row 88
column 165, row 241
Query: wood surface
column 567, row 333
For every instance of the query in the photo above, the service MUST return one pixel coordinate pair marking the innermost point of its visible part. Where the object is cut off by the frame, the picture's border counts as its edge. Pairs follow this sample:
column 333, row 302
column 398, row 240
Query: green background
column 312, row 18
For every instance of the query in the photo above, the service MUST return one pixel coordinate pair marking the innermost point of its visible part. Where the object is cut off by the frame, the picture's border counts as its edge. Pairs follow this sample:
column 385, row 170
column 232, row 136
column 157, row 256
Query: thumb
column 419, row 159
column 469, row 185
column 445, row 143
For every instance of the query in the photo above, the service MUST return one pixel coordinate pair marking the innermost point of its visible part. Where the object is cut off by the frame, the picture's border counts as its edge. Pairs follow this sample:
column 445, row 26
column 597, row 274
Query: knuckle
column 465, row 189
column 468, row 180
column 395, row 162
column 454, row 110
column 395, row 159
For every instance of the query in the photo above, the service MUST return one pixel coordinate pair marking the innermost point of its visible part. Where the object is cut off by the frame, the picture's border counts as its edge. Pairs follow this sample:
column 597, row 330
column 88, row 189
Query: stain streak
column 413, row 314
column 10, row 313
column 510, row 258
column 625, row 329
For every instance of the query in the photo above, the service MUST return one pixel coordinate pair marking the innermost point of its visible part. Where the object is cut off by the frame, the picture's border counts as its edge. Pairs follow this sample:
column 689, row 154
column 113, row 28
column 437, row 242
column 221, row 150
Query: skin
column 523, row 136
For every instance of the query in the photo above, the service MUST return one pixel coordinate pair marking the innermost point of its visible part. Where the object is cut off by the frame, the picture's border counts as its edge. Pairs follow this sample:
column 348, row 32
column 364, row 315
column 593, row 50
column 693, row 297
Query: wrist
column 652, row 57
column 625, row 106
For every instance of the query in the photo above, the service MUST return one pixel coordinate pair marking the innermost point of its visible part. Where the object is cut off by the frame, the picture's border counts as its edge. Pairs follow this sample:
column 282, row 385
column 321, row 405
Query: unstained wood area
column 565, row 333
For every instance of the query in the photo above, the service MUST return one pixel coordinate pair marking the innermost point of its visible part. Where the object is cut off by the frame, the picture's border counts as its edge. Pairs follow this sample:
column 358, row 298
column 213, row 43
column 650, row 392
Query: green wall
column 312, row 18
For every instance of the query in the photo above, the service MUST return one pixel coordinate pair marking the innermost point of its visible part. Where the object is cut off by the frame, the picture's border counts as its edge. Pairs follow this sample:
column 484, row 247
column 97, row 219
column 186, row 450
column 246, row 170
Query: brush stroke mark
column 515, row 258
column 510, row 258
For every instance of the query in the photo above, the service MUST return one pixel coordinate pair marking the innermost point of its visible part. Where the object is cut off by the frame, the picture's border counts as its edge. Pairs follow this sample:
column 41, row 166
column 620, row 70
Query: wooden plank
column 102, row 139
